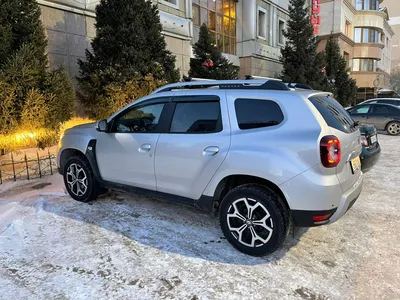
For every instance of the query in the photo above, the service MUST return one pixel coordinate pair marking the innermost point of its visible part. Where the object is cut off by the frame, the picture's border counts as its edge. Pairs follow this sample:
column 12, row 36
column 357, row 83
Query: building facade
column 365, row 38
column 248, row 32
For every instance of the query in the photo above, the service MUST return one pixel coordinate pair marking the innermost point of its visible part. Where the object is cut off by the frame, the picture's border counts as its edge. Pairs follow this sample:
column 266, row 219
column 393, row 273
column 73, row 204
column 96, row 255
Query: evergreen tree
column 29, row 88
column 209, row 62
column 128, row 45
column 343, row 86
column 300, row 61
column 20, row 24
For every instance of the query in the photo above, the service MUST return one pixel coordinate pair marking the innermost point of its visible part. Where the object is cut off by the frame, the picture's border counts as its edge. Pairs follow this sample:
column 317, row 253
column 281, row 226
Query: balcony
column 365, row 79
column 368, row 50
column 370, row 18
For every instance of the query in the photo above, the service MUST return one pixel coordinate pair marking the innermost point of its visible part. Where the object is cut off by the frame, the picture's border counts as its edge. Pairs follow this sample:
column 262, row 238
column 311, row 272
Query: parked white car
column 260, row 155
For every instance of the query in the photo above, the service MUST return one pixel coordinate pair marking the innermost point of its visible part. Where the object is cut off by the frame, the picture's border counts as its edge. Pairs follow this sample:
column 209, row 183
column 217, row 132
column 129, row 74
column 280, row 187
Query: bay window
column 366, row 35
column 367, row 4
column 364, row 65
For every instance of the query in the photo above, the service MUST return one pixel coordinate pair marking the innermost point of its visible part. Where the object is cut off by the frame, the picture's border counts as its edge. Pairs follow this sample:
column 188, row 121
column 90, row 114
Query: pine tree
column 343, row 86
column 20, row 24
column 209, row 62
column 128, row 45
column 300, row 61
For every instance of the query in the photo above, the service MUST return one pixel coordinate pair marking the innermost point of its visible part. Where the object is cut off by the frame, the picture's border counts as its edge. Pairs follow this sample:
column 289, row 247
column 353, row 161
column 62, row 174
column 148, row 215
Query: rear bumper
column 369, row 157
column 348, row 199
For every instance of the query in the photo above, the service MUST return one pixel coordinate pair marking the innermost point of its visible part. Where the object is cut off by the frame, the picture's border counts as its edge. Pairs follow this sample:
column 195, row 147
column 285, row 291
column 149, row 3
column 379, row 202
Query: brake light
column 364, row 141
column 330, row 151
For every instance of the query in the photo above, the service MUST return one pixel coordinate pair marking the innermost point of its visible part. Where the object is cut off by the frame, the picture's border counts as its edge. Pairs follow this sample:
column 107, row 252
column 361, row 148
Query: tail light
column 330, row 151
column 323, row 218
column 364, row 141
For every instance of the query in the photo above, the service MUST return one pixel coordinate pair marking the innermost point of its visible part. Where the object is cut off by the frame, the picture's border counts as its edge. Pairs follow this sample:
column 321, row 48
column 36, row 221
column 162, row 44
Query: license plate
column 374, row 139
column 355, row 164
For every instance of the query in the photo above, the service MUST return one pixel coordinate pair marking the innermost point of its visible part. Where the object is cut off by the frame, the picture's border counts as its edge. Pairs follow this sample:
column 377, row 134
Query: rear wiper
column 355, row 124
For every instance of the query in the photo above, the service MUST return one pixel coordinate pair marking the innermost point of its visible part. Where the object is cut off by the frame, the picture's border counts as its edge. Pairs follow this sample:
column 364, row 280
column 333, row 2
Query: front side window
column 140, row 119
column 360, row 110
column 220, row 17
column 252, row 113
column 196, row 117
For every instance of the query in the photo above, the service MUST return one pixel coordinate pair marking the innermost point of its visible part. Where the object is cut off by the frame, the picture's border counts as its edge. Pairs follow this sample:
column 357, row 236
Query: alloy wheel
column 394, row 128
column 77, row 179
column 250, row 222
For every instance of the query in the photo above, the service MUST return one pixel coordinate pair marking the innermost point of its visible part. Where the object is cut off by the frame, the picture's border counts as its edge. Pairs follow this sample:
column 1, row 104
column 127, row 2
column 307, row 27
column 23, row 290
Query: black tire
column 92, row 189
column 269, row 202
column 395, row 125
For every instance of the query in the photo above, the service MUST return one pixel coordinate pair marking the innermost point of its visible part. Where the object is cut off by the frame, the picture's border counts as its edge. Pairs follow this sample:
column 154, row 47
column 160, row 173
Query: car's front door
column 197, row 143
column 125, row 154
column 360, row 113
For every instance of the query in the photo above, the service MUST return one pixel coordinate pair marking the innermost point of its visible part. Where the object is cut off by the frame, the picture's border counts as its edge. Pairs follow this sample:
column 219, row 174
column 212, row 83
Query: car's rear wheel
column 79, row 180
column 254, row 219
column 393, row 128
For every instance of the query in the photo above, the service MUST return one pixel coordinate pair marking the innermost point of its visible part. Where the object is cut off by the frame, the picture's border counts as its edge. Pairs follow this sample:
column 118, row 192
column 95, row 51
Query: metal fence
column 27, row 167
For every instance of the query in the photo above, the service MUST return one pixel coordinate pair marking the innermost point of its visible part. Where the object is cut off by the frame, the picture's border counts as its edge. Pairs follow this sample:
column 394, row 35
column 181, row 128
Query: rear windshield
column 333, row 113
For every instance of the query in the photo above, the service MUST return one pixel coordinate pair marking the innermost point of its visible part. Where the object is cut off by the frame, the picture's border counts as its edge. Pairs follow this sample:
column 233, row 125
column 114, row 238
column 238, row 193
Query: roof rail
column 251, row 77
column 226, row 85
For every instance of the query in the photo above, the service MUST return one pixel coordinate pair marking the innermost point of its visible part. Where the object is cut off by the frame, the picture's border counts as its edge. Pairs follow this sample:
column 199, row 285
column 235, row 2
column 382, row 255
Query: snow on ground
column 121, row 247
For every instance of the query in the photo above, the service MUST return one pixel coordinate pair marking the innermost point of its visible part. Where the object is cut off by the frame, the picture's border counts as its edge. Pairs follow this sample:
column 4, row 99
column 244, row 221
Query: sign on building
column 315, row 17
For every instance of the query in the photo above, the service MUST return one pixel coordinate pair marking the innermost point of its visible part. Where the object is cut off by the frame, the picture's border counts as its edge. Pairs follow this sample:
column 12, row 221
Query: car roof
column 375, row 104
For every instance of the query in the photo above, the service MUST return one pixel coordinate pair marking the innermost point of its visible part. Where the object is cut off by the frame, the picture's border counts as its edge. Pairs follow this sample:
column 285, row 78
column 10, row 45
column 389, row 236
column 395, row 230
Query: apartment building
column 365, row 38
column 248, row 32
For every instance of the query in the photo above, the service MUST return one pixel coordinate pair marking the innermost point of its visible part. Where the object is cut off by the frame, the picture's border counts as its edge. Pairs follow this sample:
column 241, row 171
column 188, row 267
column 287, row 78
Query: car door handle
column 145, row 148
column 210, row 151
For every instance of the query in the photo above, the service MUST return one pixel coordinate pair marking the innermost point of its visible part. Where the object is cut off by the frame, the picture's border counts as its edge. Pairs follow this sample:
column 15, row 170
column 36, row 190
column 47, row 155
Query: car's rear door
column 197, row 143
column 379, row 116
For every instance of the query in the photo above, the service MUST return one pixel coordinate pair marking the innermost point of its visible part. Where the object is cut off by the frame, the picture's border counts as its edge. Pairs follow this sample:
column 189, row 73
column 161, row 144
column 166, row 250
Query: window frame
column 165, row 2
column 280, row 33
column 261, row 127
column 162, row 123
column 264, row 11
column 366, row 33
column 195, row 99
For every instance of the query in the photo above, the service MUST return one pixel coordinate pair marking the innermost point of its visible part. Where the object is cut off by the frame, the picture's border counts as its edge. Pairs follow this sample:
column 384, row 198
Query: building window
column 366, row 35
column 348, row 29
column 364, row 65
column 220, row 17
column 281, row 37
column 262, row 23
column 346, row 58
column 367, row 4
column 173, row 3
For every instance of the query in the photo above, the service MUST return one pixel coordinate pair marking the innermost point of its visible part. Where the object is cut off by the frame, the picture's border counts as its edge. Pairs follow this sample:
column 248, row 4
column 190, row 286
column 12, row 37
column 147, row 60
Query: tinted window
column 139, row 119
column 196, row 117
column 380, row 109
column 257, row 113
column 333, row 113
column 360, row 109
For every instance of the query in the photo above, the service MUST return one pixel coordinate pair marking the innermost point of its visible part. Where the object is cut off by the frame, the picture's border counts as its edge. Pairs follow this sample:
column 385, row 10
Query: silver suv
column 260, row 155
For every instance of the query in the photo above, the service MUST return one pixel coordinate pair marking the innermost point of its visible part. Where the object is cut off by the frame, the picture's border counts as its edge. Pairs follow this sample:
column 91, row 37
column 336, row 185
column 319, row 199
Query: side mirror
column 102, row 126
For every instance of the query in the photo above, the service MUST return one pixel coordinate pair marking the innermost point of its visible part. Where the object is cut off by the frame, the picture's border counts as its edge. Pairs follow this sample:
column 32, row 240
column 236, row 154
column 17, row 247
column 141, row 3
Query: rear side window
column 333, row 113
column 252, row 113
column 196, row 117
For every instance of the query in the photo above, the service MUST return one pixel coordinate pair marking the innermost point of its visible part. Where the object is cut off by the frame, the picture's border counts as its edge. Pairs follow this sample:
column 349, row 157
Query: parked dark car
column 371, row 150
column 382, row 116
column 392, row 101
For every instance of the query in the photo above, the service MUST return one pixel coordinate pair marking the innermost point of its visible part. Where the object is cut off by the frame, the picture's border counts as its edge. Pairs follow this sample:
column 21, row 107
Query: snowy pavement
column 131, row 247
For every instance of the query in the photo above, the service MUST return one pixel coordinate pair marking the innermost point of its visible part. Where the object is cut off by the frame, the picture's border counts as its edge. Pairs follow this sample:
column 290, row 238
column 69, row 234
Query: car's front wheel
column 254, row 219
column 393, row 128
column 79, row 180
